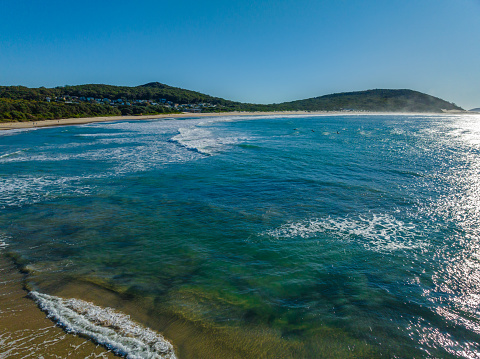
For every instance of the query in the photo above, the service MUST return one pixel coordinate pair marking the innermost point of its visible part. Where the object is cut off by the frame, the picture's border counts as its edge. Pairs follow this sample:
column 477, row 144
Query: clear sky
column 260, row 51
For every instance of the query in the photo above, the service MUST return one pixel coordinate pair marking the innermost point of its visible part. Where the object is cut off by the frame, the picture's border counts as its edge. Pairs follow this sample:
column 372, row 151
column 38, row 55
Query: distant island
column 20, row 103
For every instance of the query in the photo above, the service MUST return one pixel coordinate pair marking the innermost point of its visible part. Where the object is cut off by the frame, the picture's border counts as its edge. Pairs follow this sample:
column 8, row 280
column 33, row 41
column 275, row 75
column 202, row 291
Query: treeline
column 19, row 103
column 24, row 110
column 372, row 100
column 153, row 90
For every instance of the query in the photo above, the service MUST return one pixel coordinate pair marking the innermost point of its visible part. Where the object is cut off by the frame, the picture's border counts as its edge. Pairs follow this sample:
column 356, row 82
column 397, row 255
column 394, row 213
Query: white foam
column 201, row 140
column 16, row 131
column 376, row 232
column 95, row 135
column 10, row 154
column 21, row 190
column 3, row 241
column 397, row 131
column 195, row 139
column 105, row 326
column 136, row 146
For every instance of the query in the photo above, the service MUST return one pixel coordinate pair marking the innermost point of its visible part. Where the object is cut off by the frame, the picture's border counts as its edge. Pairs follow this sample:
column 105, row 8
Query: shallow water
column 25, row 332
column 248, row 237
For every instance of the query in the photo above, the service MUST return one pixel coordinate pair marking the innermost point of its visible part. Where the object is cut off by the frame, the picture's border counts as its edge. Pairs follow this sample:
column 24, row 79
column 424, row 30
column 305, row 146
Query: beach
column 26, row 332
column 244, row 236
column 84, row 120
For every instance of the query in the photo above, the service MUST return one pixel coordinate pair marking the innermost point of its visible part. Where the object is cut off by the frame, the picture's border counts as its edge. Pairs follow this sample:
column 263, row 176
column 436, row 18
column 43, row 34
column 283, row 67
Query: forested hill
column 19, row 103
column 373, row 100
column 153, row 90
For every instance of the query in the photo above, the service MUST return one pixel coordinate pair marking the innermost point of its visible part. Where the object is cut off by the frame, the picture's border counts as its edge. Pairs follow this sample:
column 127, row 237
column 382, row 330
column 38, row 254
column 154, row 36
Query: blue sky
column 261, row 51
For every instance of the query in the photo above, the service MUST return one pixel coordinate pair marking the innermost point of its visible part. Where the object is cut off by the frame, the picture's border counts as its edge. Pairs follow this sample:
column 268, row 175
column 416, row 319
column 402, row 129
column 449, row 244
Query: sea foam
column 6, row 155
column 376, row 232
column 3, row 241
column 203, row 141
column 105, row 326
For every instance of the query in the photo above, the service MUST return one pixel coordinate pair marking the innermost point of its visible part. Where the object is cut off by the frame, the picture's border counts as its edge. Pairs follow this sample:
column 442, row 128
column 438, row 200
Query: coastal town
column 121, row 102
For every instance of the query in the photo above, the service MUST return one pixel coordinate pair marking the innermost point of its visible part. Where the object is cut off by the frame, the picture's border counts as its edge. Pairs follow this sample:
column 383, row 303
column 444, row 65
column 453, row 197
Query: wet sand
column 26, row 332
column 192, row 336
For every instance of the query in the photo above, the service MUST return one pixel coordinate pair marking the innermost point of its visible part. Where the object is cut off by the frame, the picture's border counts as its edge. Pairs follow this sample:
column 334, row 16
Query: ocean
column 347, row 236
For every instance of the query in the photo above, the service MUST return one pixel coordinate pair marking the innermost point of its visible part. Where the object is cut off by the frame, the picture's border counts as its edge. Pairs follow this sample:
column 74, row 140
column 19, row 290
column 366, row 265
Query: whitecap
column 3, row 241
column 105, row 326
column 376, row 232
column 21, row 190
column 201, row 140
column 10, row 154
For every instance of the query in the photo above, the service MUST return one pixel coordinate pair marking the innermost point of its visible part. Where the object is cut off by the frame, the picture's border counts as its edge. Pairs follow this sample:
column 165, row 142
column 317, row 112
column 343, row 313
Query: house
column 193, row 110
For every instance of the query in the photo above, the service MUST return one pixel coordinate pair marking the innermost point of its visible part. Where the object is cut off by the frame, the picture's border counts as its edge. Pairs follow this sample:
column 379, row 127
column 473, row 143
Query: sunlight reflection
column 455, row 294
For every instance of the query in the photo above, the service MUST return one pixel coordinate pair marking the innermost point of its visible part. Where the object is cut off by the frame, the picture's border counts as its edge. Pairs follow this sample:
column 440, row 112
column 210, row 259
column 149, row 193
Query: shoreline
column 5, row 126
column 188, row 336
column 86, row 120
column 27, row 332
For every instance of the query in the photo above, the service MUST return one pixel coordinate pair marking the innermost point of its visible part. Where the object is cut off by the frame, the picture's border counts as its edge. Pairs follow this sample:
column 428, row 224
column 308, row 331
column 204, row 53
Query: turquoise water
column 320, row 236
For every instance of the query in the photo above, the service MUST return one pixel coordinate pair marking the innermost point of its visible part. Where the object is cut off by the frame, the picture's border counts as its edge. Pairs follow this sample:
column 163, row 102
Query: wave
column 21, row 190
column 3, row 241
column 95, row 135
column 105, row 326
column 16, row 131
column 10, row 154
column 195, row 139
column 376, row 232
column 202, row 140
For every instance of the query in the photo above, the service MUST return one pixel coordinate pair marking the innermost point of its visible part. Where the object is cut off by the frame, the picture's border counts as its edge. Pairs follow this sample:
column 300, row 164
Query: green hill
column 373, row 100
column 153, row 90
column 20, row 103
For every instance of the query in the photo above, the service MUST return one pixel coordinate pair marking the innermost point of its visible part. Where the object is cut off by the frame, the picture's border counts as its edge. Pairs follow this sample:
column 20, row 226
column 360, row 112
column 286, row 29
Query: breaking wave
column 376, row 232
column 21, row 190
column 202, row 140
column 105, row 326
column 10, row 154
column 3, row 241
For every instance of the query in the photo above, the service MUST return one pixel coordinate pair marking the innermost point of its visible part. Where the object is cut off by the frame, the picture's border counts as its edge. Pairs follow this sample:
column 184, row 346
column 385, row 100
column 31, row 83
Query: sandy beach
column 85, row 120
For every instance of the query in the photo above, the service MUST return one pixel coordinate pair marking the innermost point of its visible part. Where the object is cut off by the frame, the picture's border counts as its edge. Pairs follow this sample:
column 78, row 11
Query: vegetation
column 25, row 110
column 153, row 90
column 373, row 100
column 19, row 103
